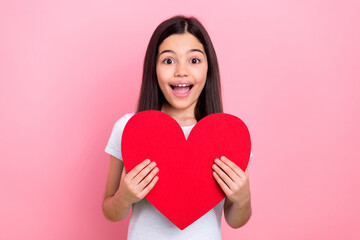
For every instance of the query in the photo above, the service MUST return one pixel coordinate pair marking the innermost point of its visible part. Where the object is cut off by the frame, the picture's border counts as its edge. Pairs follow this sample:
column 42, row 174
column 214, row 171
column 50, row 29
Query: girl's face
column 181, row 69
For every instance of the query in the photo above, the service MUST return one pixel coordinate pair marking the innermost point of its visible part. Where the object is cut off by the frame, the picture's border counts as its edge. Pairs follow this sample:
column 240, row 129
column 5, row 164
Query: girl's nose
column 181, row 70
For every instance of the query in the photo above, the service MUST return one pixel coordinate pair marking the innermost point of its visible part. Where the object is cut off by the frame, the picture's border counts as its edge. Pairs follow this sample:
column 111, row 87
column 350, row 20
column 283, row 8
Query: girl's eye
column 195, row 60
column 167, row 61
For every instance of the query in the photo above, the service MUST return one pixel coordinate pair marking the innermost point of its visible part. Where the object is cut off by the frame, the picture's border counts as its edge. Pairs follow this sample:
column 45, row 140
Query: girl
column 180, row 78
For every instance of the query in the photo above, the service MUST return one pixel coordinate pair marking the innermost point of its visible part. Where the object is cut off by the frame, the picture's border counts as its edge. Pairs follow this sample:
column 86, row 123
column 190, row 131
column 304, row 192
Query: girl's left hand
column 232, row 180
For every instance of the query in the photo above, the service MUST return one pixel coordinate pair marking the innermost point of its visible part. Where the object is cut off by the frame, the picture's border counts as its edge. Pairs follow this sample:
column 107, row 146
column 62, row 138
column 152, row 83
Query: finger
column 143, row 173
column 233, row 166
column 150, row 186
column 247, row 172
column 148, row 178
column 228, row 169
column 222, row 184
column 230, row 182
column 138, row 168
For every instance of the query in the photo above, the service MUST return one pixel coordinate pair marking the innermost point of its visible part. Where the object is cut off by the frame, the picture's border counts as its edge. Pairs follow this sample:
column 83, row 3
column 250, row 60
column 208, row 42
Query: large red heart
column 186, row 188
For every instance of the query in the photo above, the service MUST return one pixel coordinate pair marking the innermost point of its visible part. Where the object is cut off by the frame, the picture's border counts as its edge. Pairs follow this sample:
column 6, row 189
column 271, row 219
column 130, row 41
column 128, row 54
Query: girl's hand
column 134, row 186
column 232, row 180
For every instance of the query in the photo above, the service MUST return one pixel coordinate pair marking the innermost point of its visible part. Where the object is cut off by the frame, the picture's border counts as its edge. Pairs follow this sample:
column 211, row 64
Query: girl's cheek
column 167, row 71
column 161, row 70
column 200, row 74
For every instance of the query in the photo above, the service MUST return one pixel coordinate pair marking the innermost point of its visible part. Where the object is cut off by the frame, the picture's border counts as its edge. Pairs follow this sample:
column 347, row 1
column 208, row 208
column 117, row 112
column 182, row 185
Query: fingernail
column 222, row 158
column 217, row 160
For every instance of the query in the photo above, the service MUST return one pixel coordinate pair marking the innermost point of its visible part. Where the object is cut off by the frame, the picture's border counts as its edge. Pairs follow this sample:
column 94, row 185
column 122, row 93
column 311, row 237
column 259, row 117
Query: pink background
column 290, row 70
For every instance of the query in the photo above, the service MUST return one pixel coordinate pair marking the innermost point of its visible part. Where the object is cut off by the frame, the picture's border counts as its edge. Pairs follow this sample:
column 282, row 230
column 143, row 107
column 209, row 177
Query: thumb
column 123, row 175
column 124, row 172
column 247, row 172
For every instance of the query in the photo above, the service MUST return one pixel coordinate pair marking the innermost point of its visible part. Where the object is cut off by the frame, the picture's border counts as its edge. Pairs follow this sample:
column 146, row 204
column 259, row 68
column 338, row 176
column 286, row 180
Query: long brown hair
column 151, row 97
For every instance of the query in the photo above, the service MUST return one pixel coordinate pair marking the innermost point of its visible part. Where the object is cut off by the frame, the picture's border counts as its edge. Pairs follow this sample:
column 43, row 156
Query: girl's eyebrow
column 191, row 50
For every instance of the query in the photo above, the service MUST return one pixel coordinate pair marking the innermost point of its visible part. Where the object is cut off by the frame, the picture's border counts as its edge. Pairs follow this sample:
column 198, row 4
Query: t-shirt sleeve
column 113, row 146
column 251, row 154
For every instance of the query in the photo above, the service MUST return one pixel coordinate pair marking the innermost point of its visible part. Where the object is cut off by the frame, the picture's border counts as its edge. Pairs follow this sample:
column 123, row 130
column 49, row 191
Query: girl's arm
column 235, row 184
column 114, row 208
column 236, row 216
column 124, row 189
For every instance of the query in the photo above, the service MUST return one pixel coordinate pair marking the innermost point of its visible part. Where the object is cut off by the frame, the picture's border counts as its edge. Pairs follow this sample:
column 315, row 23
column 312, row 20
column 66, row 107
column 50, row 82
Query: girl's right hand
column 134, row 186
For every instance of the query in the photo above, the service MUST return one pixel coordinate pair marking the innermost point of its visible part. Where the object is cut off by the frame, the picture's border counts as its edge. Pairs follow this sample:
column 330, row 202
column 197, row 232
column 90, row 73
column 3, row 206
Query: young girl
column 180, row 78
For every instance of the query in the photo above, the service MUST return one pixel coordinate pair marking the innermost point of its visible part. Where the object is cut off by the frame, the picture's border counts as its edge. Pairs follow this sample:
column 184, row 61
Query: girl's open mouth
column 181, row 90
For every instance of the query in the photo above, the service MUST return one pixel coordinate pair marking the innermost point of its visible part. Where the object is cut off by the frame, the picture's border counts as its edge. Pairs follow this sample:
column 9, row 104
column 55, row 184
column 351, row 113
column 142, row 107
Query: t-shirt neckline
column 188, row 126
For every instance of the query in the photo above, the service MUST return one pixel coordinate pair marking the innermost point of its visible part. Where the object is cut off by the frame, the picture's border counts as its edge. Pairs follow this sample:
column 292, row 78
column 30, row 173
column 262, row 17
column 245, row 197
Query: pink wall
column 290, row 70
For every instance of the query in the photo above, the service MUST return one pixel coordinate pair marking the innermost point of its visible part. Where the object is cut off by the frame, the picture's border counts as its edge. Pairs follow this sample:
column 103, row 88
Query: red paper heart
column 186, row 188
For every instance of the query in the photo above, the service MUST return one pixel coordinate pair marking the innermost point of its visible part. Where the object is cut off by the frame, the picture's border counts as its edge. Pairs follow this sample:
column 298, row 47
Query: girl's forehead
column 181, row 43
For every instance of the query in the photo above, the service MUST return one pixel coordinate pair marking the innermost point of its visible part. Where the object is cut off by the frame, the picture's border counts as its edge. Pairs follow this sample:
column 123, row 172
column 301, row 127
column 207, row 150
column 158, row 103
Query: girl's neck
column 184, row 117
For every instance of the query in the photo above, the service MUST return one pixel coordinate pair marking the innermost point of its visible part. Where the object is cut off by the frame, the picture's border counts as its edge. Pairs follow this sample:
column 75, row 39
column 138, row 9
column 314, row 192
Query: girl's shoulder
column 121, row 122
column 127, row 116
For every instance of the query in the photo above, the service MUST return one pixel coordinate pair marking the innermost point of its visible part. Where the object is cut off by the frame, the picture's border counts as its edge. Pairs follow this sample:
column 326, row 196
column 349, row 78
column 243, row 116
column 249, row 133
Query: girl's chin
column 178, row 105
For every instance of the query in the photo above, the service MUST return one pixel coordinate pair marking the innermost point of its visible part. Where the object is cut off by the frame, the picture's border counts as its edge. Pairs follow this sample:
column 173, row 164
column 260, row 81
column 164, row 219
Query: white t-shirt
column 147, row 222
